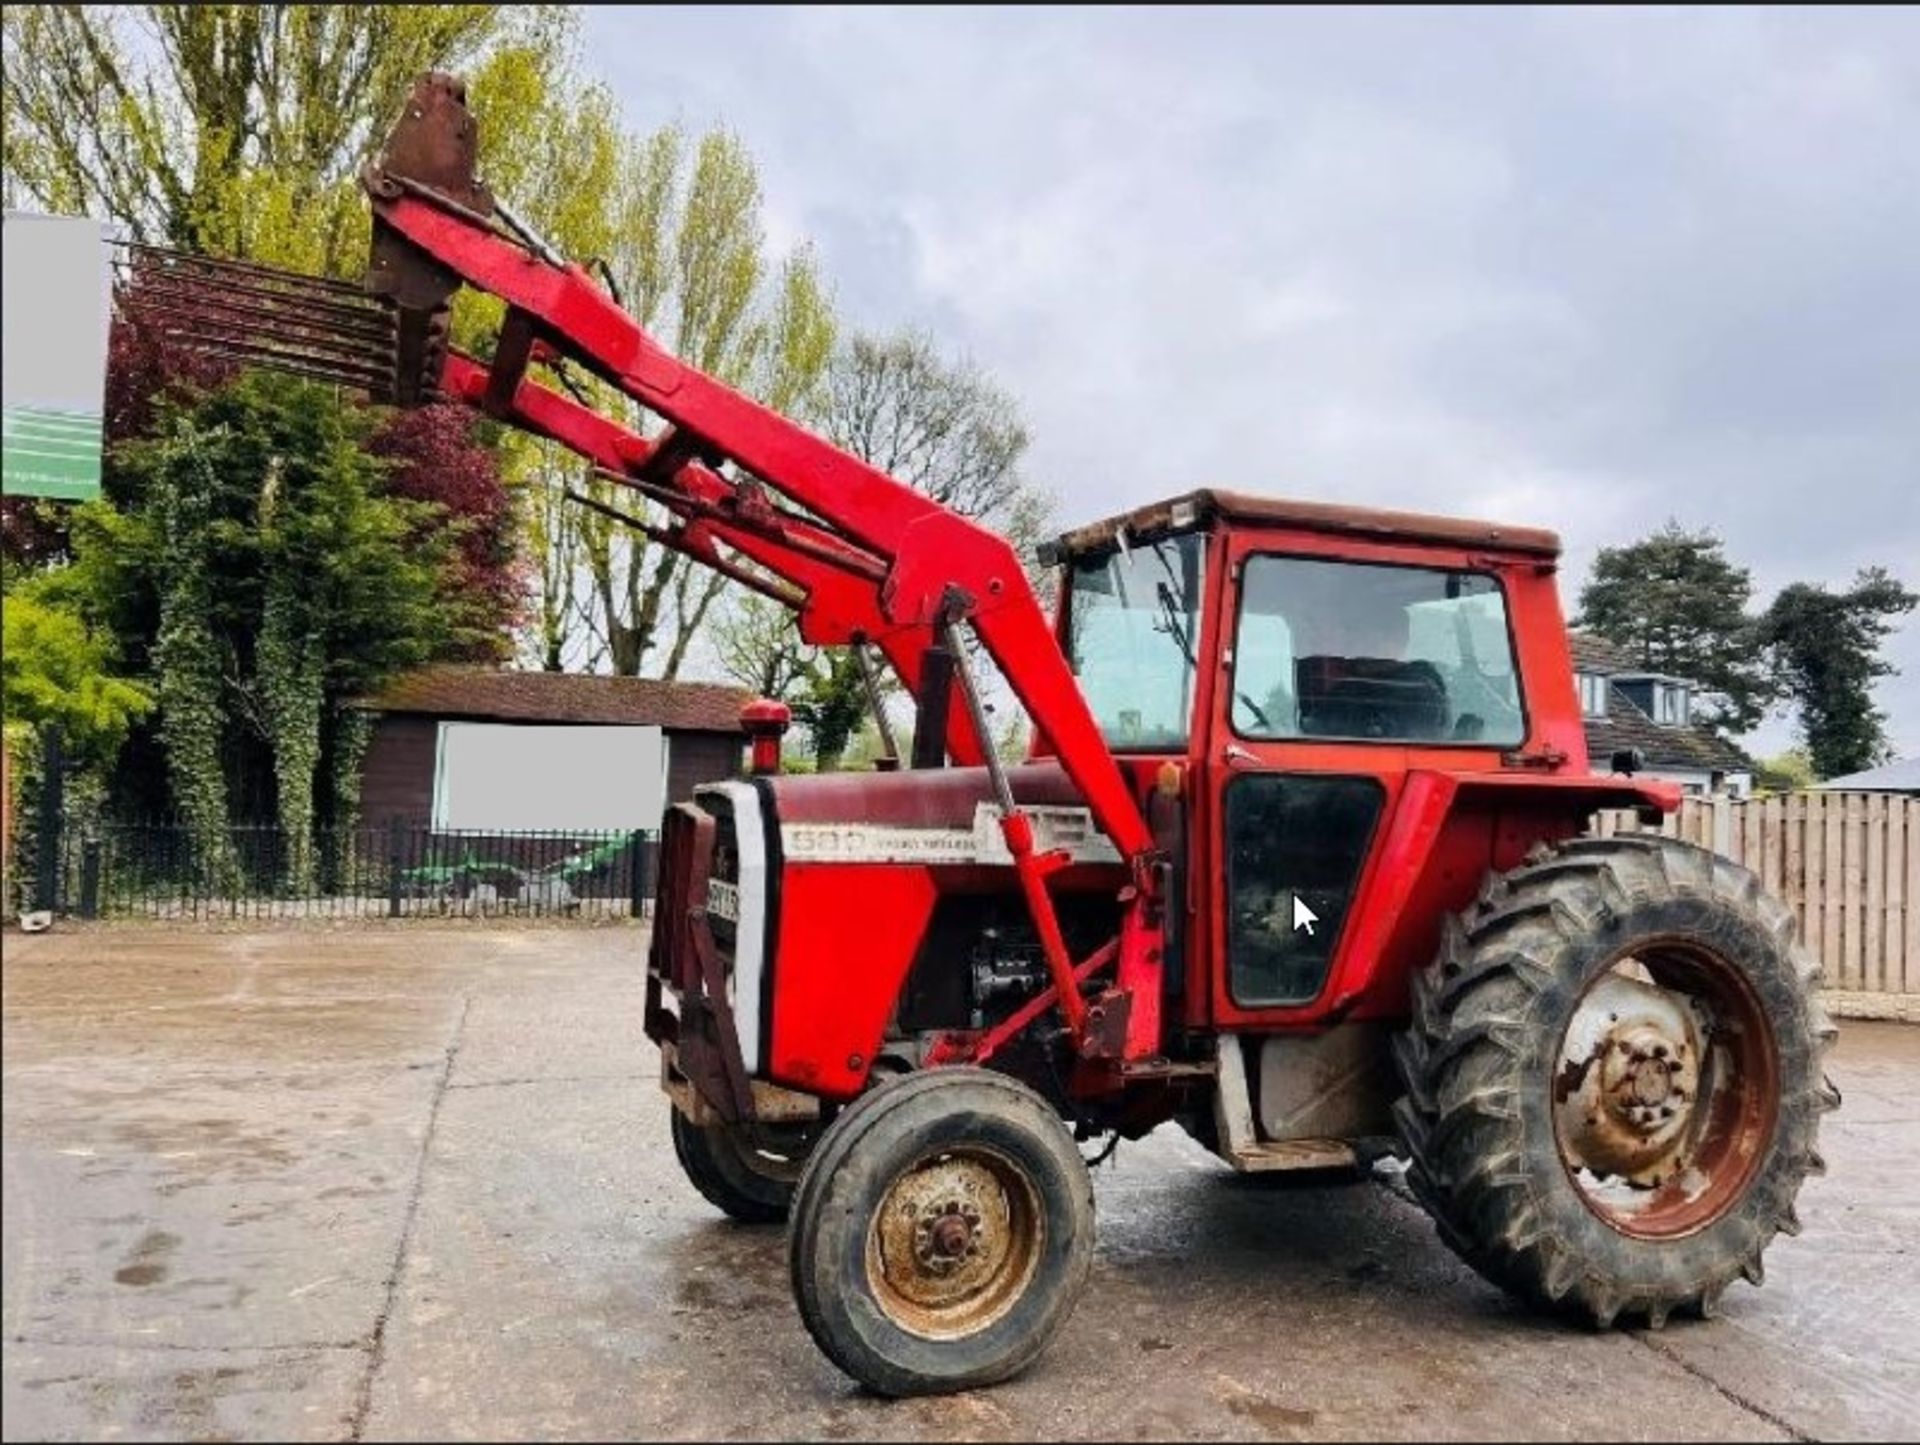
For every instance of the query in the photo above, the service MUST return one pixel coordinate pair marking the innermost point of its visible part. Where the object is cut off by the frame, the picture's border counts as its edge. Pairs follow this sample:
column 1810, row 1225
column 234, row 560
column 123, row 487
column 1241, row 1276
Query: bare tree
column 944, row 428
column 941, row 426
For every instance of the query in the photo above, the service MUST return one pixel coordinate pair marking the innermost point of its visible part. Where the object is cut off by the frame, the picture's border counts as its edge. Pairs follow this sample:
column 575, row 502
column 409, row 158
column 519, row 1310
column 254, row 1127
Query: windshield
column 1363, row 650
column 1132, row 623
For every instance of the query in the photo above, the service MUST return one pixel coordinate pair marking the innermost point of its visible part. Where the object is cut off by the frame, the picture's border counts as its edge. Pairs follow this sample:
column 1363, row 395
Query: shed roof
column 562, row 697
column 1900, row 776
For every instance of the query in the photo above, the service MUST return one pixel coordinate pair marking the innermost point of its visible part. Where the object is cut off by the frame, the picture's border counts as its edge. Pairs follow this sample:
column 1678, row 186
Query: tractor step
column 1273, row 1155
column 1166, row 1069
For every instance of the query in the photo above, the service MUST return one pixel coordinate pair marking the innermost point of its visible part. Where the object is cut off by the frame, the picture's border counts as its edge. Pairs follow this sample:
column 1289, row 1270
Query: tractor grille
column 683, row 833
column 699, row 867
column 723, row 878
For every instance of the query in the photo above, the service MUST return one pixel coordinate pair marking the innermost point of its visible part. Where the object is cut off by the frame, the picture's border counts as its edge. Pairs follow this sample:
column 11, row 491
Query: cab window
column 1132, row 619
column 1373, row 652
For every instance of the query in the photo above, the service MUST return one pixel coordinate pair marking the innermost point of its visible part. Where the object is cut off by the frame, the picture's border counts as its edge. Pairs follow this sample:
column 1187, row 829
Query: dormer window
column 1672, row 705
column 1667, row 700
column 1593, row 694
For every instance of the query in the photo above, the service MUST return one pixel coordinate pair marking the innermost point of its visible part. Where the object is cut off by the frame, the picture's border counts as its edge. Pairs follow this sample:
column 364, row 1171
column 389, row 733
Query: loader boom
column 872, row 556
column 867, row 558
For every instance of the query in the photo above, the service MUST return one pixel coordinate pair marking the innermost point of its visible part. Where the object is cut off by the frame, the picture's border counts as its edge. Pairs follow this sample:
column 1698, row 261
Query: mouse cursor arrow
column 1303, row 916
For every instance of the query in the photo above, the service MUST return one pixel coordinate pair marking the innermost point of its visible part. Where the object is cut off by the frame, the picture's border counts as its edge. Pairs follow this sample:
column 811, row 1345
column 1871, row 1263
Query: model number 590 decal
column 723, row 900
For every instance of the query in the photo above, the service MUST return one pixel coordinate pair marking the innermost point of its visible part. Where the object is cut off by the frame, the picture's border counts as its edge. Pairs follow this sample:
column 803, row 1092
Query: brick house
column 479, row 749
column 1625, row 705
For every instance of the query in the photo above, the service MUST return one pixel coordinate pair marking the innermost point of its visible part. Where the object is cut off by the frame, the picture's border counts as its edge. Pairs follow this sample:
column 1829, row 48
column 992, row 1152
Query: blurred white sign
column 54, row 314
column 506, row 778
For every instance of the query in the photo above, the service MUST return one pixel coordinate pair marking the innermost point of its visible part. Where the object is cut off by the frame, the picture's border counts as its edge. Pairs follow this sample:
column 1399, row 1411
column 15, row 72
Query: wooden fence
column 1849, row 863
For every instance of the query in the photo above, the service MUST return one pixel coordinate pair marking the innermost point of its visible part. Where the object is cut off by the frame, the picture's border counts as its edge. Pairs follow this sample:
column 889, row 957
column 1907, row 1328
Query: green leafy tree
column 59, row 672
column 674, row 228
column 265, row 577
column 237, row 130
column 1827, row 645
column 758, row 646
column 1786, row 772
column 1679, row 606
column 679, row 229
column 831, row 704
column 240, row 130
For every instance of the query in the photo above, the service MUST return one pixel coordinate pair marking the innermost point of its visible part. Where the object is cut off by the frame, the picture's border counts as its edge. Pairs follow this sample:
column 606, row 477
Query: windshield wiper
column 1170, row 612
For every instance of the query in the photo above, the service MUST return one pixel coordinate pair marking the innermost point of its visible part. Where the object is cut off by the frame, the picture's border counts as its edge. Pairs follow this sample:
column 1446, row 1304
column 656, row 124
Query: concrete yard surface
column 414, row 1182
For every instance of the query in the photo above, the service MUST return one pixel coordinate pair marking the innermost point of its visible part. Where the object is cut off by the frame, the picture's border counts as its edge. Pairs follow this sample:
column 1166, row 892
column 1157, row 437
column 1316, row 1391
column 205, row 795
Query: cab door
column 1344, row 666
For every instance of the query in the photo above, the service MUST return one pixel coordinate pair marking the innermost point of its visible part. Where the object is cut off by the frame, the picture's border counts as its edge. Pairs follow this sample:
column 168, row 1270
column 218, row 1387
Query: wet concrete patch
column 147, row 1264
column 109, row 1391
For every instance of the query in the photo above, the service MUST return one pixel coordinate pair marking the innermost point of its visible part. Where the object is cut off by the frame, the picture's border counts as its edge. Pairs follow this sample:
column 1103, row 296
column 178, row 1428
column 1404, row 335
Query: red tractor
column 1296, row 860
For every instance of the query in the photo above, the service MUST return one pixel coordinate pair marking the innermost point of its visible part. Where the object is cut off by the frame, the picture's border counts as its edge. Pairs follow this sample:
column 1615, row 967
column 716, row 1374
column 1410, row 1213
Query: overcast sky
column 1586, row 269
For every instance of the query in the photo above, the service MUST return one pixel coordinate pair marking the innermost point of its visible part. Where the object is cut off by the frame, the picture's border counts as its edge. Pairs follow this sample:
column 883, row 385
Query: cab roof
column 1372, row 524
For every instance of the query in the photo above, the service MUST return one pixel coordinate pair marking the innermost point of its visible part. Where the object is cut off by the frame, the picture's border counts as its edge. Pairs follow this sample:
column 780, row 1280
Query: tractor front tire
column 942, row 1233
column 742, row 1181
column 1613, row 1079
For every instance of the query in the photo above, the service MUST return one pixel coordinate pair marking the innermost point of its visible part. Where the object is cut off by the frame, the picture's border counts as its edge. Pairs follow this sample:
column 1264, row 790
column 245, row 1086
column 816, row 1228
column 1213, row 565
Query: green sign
column 54, row 312
column 52, row 453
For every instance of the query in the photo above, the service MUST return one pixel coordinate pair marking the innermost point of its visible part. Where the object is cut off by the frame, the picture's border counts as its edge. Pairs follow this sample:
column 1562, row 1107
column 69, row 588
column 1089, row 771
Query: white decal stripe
column 872, row 843
column 983, row 843
column 748, row 978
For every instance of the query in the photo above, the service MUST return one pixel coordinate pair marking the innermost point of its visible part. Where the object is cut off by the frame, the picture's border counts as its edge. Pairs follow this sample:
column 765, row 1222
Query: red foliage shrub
column 435, row 458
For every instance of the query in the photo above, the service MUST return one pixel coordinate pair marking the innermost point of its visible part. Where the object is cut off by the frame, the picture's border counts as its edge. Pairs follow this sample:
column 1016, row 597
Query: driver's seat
column 1370, row 697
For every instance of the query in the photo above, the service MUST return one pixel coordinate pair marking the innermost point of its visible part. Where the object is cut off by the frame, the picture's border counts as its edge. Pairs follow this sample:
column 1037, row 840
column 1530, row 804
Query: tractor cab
column 1323, row 626
column 1302, row 663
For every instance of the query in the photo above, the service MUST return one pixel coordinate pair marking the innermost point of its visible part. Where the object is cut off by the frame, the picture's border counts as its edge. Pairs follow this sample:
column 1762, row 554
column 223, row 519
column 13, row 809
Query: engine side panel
column 824, row 895
column 847, row 935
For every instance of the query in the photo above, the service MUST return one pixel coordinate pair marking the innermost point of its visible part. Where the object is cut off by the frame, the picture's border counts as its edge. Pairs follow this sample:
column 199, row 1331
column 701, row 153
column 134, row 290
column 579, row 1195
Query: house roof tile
column 1597, row 655
column 1627, row 726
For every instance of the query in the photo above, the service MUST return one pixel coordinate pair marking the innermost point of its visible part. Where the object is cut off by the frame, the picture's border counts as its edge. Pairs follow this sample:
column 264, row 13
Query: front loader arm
column 924, row 566
column 835, row 601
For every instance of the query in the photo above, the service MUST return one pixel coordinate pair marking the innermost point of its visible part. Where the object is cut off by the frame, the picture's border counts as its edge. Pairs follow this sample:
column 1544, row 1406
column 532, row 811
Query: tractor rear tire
column 942, row 1233
column 740, row 1180
column 1613, row 1079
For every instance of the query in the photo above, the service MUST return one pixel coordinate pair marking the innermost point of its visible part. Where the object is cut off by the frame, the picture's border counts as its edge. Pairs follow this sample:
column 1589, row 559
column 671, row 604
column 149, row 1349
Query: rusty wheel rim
column 955, row 1242
column 1666, row 1090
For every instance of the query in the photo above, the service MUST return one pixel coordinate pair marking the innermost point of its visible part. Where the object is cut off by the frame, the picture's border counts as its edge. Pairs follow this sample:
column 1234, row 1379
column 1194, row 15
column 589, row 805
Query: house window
column 1593, row 694
column 1672, row 706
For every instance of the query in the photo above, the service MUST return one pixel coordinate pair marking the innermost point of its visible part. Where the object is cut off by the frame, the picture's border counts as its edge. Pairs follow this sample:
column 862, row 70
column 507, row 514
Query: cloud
column 1589, row 269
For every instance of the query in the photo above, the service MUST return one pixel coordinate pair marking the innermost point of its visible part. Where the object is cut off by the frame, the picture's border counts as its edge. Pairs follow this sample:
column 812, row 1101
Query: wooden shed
column 480, row 749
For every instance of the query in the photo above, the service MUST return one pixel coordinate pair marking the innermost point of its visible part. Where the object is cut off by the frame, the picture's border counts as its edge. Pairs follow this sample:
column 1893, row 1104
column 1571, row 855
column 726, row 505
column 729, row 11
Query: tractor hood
column 933, row 816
